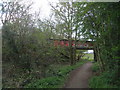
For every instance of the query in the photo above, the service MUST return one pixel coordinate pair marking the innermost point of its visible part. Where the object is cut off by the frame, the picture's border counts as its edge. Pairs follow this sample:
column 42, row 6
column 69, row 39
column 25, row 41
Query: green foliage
column 101, row 24
column 102, row 81
column 57, row 80
column 88, row 56
column 26, row 47
column 50, row 82
column 95, row 67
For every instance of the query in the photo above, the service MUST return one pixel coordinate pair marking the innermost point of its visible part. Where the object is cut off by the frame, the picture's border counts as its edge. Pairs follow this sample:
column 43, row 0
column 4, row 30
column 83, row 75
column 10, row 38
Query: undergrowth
column 56, row 81
column 104, row 80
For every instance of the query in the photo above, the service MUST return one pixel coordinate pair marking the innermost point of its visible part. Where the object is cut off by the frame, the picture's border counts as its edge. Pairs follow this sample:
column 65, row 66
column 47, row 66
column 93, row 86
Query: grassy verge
column 100, row 81
column 88, row 56
column 56, row 81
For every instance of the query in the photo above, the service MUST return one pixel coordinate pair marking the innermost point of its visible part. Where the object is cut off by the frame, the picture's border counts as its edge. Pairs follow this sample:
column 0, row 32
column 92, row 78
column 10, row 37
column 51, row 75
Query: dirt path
column 79, row 77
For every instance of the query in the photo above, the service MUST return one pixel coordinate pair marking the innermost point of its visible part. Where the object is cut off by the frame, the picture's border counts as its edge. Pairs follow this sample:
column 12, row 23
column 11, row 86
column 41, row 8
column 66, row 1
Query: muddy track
column 79, row 77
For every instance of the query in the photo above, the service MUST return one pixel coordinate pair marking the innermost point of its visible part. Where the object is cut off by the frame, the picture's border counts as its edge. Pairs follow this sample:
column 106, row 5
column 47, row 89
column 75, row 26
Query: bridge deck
column 85, row 48
column 81, row 45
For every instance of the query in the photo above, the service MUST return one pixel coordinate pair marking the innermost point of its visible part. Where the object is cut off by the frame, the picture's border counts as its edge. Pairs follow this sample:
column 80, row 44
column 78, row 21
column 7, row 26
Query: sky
column 42, row 5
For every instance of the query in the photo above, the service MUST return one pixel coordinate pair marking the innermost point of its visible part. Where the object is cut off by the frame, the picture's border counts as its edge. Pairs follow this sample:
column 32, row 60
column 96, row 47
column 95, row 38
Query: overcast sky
column 43, row 6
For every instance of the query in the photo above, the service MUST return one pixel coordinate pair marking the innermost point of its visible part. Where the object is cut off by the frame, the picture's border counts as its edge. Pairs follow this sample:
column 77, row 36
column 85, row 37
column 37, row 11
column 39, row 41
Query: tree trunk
column 95, row 58
column 99, row 59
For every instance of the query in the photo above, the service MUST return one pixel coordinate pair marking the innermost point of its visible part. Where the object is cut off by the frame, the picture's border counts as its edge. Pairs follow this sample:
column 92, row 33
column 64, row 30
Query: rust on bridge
column 83, row 45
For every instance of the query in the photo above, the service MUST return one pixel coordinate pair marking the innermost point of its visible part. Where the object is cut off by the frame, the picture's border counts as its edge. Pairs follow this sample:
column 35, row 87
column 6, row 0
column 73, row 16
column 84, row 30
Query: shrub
column 55, row 81
column 101, row 81
column 95, row 67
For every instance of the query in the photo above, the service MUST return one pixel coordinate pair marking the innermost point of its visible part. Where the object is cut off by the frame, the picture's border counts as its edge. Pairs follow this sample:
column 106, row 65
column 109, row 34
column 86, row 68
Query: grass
column 88, row 56
column 95, row 67
column 101, row 81
column 56, row 81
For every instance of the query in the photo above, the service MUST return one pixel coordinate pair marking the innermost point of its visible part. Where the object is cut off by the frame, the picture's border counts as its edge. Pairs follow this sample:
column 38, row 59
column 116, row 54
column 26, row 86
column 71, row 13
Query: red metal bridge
column 83, row 45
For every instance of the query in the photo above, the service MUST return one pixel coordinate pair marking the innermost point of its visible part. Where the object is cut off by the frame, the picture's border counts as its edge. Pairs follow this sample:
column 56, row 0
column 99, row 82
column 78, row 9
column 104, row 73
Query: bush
column 95, row 67
column 104, row 80
column 50, row 82
column 55, row 81
column 101, row 81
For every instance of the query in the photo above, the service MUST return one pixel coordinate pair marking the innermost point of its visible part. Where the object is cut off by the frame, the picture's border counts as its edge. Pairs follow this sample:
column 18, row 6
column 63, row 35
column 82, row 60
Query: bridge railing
column 79, row 44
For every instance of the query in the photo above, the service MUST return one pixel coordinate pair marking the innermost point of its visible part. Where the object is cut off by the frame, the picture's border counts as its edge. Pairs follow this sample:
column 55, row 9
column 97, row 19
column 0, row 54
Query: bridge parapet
column 79, row 44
